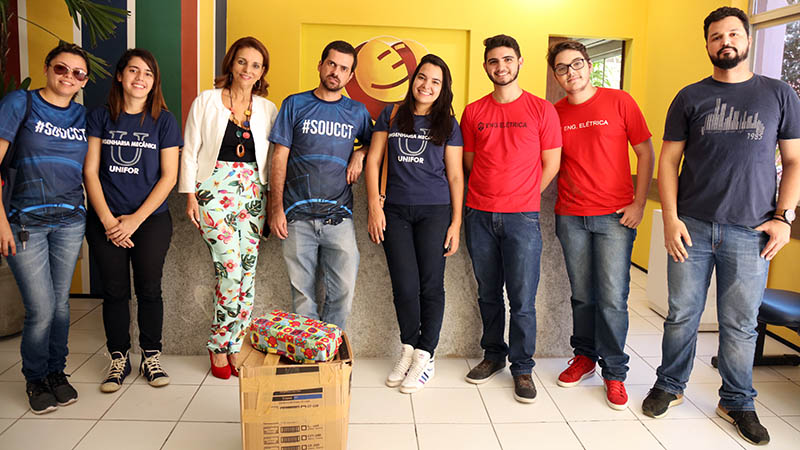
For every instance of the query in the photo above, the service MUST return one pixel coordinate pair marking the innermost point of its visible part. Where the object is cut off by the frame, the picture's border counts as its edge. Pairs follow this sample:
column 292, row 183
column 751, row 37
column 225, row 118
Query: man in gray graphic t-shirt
column 722, row 212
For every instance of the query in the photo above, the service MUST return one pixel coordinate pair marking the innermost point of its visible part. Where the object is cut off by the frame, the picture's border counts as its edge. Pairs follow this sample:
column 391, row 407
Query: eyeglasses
column 63, row 69
column 562, row 69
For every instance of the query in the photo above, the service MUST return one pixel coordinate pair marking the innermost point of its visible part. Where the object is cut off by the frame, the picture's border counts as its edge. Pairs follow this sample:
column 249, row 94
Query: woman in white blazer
column 224, row 170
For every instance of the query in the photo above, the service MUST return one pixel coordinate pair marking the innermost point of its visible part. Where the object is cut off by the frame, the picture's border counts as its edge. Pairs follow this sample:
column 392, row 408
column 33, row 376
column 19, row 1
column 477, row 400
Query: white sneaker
column 398, row 374
column 421, row 372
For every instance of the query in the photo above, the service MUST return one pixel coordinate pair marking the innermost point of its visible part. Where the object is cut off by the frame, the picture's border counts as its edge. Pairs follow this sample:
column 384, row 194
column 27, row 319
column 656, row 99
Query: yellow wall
column 205, row 57
column 279, row 24
column 55, row 17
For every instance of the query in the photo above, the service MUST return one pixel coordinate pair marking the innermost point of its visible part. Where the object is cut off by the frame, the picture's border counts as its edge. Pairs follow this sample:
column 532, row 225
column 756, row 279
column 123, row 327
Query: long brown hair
column 155, row 98
column 226, row 78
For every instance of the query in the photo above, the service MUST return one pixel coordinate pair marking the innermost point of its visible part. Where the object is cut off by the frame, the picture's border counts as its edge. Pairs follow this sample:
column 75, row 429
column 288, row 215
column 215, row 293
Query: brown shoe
column 484, row 371
column 524, row 389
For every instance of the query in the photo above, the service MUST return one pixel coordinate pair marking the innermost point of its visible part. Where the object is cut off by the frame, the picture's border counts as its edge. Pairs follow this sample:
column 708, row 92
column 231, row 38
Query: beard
column 514, row 78
column 331, row 84
column 727, row 63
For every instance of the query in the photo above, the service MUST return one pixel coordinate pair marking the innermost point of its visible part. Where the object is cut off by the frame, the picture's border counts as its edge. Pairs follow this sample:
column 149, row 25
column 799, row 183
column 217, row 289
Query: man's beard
column 338, row 87
column 728, row 63
column 507, row 82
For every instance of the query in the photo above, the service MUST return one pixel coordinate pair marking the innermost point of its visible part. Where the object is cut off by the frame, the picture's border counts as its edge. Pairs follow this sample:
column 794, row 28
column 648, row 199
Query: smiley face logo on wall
column 385, row 64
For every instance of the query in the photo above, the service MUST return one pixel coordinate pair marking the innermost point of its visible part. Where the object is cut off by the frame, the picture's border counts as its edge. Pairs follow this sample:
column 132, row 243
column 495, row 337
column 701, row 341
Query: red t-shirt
column 508, row 139
column 595, row 174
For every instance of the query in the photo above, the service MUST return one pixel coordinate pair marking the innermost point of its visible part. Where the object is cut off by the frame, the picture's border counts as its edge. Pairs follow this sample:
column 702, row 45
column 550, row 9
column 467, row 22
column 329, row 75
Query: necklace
column 241, row 135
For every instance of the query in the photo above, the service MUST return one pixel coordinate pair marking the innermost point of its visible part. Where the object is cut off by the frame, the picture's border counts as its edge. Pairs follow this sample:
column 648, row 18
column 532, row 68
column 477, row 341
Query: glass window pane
column 760, row 6
column 777, row 53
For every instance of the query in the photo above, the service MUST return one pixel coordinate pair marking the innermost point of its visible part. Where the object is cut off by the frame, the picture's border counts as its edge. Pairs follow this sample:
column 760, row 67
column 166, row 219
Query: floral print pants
column 232, row 210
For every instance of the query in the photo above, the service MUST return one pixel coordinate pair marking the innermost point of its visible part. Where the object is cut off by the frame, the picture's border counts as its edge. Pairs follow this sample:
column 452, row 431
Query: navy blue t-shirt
column 320, row 136
column 416, row 172
column 49, row 158
column 130, row 155
column 731, row 132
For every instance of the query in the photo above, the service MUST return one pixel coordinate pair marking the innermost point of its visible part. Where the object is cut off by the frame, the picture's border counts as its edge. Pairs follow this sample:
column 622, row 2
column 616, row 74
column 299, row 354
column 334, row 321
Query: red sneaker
column 580, row 368
column 616, row 397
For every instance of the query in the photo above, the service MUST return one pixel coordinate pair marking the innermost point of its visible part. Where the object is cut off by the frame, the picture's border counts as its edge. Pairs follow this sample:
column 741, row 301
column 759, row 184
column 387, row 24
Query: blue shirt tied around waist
column 320, row 136
column 51, row 148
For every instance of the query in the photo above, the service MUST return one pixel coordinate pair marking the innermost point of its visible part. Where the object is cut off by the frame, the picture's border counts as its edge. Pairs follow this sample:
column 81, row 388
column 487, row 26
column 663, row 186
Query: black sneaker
column 40, row 397
column 747, row 424
column 524, row 389
column 484, row 371
column 150, row 368
column 64, row 392
column 658, row 401
column 119, row 369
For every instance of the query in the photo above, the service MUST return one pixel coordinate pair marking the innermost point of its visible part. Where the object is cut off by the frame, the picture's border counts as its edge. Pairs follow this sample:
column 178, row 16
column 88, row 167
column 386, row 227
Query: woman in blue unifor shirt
column 420, row 222
column 131, row 167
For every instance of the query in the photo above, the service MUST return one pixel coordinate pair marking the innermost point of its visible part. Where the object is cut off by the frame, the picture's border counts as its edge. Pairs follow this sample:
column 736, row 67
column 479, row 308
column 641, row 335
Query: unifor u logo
column 406, row 150
column 125, row 158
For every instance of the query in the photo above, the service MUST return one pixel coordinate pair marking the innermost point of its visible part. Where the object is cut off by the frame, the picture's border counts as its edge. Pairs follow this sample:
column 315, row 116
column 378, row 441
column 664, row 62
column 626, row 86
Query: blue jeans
column 597, row 251
column 44, row 274
column 333, row 247
column 414, row 248
column 506, row 248
column 741, row 278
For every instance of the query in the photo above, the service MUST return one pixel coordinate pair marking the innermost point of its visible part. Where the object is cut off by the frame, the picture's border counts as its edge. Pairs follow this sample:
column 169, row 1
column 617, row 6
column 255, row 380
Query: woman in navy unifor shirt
column 420, row 223
column 130, row 169
column 43, row 232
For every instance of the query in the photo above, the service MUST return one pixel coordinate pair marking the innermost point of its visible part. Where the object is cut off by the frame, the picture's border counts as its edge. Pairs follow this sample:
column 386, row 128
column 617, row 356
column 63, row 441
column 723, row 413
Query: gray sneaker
column 524, row 389
column 484, row 371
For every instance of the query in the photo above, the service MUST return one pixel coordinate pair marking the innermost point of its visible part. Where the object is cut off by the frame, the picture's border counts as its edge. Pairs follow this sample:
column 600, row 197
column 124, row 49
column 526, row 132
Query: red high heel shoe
column 234, row 370
column 223, row 372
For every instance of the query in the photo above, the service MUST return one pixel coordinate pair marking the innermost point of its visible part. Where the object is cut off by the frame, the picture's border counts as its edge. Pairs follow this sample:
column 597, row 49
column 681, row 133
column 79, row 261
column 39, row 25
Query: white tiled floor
column 198, row 411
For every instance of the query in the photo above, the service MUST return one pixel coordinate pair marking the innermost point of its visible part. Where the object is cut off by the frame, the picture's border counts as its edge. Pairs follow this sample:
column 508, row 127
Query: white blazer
column 205, row 128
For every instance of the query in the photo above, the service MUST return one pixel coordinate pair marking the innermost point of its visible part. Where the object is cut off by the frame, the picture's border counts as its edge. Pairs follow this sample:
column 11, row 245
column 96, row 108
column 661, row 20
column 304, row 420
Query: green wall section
column 158, row 29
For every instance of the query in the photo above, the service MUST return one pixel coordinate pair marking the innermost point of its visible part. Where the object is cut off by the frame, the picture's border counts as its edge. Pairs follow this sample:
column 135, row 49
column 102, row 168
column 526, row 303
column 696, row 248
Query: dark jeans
column 597, row 252
column 506, row 249
column 150, row 244
column 414, row 246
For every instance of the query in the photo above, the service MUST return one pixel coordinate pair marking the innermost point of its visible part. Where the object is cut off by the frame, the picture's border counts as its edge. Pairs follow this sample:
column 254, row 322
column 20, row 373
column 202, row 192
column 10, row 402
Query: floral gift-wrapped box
column 296, row 337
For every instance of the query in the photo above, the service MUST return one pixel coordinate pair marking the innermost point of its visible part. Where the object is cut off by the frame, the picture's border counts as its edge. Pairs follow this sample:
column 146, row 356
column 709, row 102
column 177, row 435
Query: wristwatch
column 786, row 216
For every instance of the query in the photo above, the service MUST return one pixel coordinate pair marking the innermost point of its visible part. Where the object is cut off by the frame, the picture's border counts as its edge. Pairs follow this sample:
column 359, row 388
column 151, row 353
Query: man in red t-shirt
column 597, row 213
column 512, row 147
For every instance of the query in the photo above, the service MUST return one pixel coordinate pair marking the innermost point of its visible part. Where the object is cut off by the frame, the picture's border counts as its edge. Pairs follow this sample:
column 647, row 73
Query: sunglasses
column 63, row 69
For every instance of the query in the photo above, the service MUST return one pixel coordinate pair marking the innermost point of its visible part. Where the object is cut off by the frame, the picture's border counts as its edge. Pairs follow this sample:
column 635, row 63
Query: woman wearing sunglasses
column 42, row 233
column 420, row 222
column 130, row 169
column 224, row 174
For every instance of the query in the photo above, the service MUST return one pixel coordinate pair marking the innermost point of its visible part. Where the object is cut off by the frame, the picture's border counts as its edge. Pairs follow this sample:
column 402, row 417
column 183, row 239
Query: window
column 776, row 44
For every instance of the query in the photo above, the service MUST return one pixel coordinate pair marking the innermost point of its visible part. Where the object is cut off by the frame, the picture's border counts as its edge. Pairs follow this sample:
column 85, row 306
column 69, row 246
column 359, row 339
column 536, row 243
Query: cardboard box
column 289, row 406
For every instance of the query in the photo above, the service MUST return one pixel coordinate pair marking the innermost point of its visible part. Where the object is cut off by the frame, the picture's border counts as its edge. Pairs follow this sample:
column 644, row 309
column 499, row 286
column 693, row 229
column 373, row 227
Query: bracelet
column 782, row 219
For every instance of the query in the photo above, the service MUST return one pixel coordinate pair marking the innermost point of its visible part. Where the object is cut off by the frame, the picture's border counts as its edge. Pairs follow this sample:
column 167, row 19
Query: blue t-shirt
column 320, row 137
column 416, row 172
column 51, row 148
column 731, row 132
column 130, row 155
